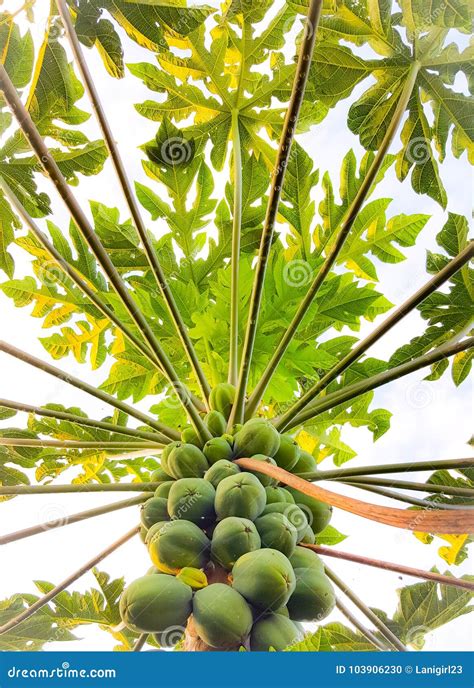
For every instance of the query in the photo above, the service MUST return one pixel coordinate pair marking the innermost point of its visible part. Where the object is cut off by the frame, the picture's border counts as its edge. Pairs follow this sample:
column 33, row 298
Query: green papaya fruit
column 274, row 632
column 192, row 499
column 276, row 532
column 153, row 511
column 159, row 475
column 216, row 423
column 153, row 604
column 283, row 611
column 217, row 449
column 163, row 490
column 257, row 436
column 231, row 538
column 278, row 494
column 152, row 570
column 220, row 470
column 266, row 480
column 294, row 513
column 235, row 429
column 186, row 461
column 313, row 598
column 265, row 578
column 306, row 463
column 143, row 533
column 222, row 397
column 309, row 537
column 190, row 436
column 164, row 456
column 154, row 529
column 288, row 453
column 240, row 495
column 170, row 637
column 318, row 513
column 304, row 558
column 221, row 616
column 179, row 544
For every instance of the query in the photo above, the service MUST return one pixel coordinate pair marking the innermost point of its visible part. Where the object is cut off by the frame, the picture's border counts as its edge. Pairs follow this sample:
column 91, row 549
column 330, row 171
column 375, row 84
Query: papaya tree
column 233, row 307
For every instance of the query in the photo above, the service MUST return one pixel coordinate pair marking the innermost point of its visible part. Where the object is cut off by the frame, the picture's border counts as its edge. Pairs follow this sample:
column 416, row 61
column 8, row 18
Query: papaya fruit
column 195, row 578
column 275, row 632
column 313, row 597
column 143, row 533
column 306, row 463
column 152, row 604
column 159, row 476
column 179, row 544
column 186, row 461
column 221, row 398
column 283, row 611
column 265, row 578
column 278, row 494
column 288, row 453
column 190, row 436
column 266, row 480
column 231, row 538
column 318, row 513
column 257, row 436
column 240, row 495
column 153, row 511
column 222, row 617
column 152, row 570
column 164, row 456
column 192, row 499
column 304, row 558
column 170, row 637
column 235, row 429
column 220, row 470
column 293, row 513
column 309, row 537
column 154, row 529
column 163, row 490
column 216, row 423
column 276, row 532
column 216, row 450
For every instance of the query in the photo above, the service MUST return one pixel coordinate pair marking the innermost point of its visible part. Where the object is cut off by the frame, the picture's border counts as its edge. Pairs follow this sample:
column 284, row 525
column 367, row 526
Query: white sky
column 429, row 421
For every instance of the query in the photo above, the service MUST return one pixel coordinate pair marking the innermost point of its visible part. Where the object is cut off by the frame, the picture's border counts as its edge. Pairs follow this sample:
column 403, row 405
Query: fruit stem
column 52, row 170
column 235, row 259
column 404, row 309
column 390, row 566
column 402, row 467
column 42, row 601
column 89, row 389
column 386, row 632
column 132, row 204
column 286, row 140
column 141, row 641
column 343, row 230
column 290, row 420
column 80, row 420
column 68, row 520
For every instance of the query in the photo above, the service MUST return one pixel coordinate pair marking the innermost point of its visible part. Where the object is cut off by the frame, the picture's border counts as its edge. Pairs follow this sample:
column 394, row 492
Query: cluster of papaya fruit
column 207, row 517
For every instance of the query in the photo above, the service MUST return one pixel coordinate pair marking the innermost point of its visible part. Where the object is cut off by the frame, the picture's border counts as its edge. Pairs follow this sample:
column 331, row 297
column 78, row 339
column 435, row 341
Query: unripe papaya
column 266, row 480
column 231, row 538
column 170, row 637
column 295, row 515
column 179, row 544
column 288, row 453
column 143, row 533
column 192, row 499
column 216, row 450
column 265, row 578
column 305, row 464
column 152, row 604
column 164, row 456
column 276, row 532
column 159, row 476
column 278, row 495
column 216, row 422
column 283, row 611
column 186, row 461
column 309, row 537
column 313, row 598
column 221, row 616
column 318, row 513
column 240, row 495
column 163, row 490
column 257, row 436
column 152, row 570
column 274, row 632
column 190, row 436
column 235, row 429
column 304, row 558
column 220, row 470
column 153, row 511
column 154, row 529
column 222, row 397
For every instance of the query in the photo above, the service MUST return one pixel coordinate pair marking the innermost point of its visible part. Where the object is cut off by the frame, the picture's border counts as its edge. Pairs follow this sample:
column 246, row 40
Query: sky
column 429, row 420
